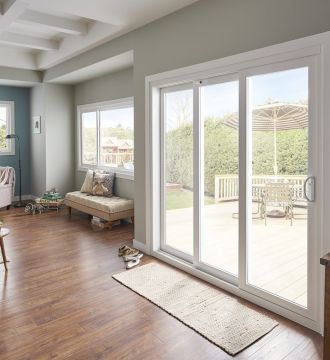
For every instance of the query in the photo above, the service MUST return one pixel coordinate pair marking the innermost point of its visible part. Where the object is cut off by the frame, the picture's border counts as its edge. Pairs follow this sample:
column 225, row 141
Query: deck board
column 278, row 251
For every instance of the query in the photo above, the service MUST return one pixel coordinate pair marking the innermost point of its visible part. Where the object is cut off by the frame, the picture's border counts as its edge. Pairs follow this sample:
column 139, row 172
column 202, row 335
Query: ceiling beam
column 53, row 22
column 10, row 11
column 28, row 41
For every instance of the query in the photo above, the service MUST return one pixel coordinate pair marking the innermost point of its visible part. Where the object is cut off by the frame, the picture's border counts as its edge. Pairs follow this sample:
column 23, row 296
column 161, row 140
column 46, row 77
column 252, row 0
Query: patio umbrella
column 275, row 116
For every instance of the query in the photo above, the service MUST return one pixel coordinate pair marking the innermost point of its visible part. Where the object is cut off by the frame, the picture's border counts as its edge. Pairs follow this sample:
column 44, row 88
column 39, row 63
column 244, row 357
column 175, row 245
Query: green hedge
column 221, row 153
column 2, row 137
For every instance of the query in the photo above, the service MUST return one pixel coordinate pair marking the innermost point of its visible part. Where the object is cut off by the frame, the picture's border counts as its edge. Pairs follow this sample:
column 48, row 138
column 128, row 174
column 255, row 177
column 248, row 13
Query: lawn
column 183, row 199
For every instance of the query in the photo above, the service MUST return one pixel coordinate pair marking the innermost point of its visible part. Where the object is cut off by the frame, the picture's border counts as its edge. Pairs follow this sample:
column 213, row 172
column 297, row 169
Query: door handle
column 310, row 183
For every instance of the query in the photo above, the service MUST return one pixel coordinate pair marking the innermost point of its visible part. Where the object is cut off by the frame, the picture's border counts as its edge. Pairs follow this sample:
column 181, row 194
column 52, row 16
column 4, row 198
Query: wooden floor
column 58, row 301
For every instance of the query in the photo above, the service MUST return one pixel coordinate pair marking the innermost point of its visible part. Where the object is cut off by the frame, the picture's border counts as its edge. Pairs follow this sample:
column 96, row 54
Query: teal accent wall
column 21, row 97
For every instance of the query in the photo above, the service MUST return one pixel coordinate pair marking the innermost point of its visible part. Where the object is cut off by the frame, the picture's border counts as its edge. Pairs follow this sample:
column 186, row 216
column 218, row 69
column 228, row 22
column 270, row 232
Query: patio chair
column 277, row 195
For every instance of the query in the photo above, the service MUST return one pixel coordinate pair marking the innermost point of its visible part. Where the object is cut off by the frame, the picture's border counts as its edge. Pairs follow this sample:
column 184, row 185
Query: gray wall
column 206, row 30
column 38, row 142
column 113, row 86
column 60, row 137
column 52, row 151
column 21, row 98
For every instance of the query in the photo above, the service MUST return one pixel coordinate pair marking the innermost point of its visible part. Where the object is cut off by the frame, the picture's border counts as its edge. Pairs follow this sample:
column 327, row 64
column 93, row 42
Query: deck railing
column 226, row 186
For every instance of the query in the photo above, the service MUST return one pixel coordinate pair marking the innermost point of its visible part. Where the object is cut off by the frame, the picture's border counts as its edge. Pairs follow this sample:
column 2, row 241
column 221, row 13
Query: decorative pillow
column 103, row 184
column 87, row 186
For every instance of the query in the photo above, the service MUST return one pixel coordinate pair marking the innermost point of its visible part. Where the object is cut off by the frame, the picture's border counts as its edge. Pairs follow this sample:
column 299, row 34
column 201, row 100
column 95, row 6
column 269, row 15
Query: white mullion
column 243, row 201
column 98, row 138
column 197, row 173
column 162, row 170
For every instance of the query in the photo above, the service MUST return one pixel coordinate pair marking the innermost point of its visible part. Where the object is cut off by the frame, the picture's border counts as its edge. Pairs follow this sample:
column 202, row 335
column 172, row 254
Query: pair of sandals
column 131, row 256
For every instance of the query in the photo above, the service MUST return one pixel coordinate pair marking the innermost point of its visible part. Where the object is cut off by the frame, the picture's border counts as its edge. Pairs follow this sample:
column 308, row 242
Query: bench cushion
column 111, row 205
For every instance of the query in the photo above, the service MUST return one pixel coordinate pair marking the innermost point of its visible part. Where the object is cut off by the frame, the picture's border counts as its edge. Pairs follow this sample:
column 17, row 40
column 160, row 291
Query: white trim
column 97, row 107
column 292, row 50
column 10, row 105
column 140, row 246
column 109, row 104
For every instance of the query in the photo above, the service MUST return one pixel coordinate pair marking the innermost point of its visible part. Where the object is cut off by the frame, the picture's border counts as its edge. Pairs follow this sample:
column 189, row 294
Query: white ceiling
column 38, row 34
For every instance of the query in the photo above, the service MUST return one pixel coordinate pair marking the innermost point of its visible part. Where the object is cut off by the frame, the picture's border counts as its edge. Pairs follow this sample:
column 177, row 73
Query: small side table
column 50, row 204
column 3, row 232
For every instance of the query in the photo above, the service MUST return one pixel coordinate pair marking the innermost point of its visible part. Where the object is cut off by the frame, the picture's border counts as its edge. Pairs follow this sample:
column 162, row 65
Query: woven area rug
column 220, row 318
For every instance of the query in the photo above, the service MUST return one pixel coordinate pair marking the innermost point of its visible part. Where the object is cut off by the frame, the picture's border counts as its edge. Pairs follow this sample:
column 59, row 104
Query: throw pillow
column 109, row 183
column 103, row 184
column 87, row 186
column 98, row 185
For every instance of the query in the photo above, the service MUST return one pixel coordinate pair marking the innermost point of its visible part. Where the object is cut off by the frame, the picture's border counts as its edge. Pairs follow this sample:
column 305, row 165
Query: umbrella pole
column 275, row 150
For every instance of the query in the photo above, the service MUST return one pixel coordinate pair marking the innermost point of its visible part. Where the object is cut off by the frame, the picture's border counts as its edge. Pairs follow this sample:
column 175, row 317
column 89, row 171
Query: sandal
column 130, row 257
column 130, row 252
column 133, row 263
column 122, row 249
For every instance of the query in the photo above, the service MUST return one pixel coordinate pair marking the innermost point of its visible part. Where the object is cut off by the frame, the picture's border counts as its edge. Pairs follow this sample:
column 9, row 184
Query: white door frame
column 311, row 46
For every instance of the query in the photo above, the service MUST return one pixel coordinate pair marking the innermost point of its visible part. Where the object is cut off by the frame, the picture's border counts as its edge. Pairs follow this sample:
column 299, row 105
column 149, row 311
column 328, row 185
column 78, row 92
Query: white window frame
column 97, row 107
column 317, row 46
column 10, row 127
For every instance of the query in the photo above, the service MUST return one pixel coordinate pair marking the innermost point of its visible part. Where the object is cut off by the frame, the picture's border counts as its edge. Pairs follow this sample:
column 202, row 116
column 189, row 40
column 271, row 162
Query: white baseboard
column 25, row 197
column 140, row 246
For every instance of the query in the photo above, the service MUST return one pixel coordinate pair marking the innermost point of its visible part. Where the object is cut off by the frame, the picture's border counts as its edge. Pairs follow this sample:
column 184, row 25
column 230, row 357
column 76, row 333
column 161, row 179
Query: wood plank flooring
column 58, row 301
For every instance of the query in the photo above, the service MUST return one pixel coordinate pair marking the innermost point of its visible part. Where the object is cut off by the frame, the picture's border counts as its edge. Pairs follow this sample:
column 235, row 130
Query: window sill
column 7, row 153
column 121, row 174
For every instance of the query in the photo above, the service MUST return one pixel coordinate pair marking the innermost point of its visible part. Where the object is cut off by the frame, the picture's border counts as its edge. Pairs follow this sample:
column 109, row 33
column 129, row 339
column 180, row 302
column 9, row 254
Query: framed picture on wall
column 36, row 124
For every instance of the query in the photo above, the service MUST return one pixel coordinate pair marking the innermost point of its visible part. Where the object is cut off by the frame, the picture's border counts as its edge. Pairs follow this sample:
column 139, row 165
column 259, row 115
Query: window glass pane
column 278, row 116
column 178, row 124
column 219, row 109
column 89, row 138
column 117, row 138
column 3, row 128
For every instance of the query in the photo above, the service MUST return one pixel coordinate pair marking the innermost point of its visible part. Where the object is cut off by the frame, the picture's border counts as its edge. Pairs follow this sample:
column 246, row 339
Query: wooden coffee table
column 3, row 232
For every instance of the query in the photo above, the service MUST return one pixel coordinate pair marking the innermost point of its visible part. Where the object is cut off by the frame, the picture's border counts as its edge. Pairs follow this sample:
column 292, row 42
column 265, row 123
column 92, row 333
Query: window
column 7, row 147
column 107, row 135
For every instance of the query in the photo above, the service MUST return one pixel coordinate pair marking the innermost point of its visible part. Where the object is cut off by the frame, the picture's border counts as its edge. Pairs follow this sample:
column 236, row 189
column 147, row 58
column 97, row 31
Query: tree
column 221, row 152
column 3, row 137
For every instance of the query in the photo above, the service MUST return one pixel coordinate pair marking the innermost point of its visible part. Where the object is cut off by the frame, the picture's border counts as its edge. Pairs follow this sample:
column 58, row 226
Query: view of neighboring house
column 117, row 152
column 164, row 171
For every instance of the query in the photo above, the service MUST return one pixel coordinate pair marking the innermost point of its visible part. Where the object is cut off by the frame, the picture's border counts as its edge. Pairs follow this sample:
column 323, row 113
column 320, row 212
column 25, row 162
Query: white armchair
column 7, row 186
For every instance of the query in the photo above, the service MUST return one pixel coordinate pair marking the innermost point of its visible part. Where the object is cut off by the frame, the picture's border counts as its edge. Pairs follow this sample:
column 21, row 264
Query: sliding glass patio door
column 279, row 259
column 218, row 172
column 177, row 171
column 238, row 165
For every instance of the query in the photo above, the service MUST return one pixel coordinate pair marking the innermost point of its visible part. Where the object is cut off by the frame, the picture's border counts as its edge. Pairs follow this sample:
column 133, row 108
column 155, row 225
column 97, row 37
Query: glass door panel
column 219, row 134
column 178, row 170
column 278, row 167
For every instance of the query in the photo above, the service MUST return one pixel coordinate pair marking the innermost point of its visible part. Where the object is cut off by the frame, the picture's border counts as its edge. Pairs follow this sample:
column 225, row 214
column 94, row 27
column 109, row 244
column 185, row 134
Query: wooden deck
column 277, row 251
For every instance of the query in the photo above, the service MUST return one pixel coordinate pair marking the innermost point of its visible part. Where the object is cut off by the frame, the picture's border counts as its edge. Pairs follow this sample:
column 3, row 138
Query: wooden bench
column 107, row 208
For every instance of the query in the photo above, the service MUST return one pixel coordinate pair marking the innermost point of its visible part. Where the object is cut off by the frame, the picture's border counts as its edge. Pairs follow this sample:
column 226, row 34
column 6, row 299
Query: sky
column 111, row 118
column 3, row 115
column 221, row 99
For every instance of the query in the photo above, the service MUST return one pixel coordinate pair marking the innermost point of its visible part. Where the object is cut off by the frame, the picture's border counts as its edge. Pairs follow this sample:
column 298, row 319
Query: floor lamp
column 19, row 203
